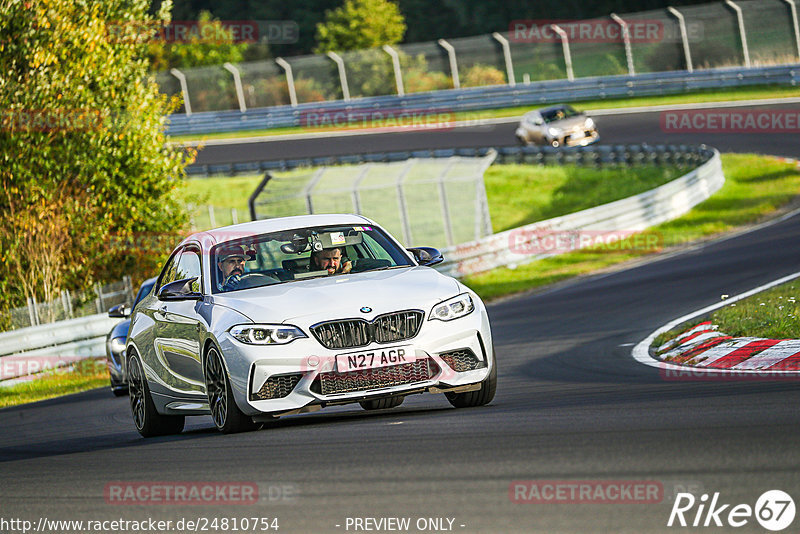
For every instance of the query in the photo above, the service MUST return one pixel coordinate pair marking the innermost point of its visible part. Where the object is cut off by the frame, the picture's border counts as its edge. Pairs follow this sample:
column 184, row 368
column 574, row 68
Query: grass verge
column 771, row 314
column 755, row 188
column 746, row 93
column 86, row 374
column 522, row 194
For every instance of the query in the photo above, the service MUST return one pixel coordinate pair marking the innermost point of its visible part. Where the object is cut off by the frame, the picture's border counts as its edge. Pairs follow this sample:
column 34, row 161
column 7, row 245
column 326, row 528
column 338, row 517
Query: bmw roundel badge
column 366, row 309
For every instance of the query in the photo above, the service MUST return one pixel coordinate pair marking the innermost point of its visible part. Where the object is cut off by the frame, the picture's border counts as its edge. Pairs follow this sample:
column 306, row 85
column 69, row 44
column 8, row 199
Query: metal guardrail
column 609, row 222
column 596, row 155
column 38, row 348
column 499, row 96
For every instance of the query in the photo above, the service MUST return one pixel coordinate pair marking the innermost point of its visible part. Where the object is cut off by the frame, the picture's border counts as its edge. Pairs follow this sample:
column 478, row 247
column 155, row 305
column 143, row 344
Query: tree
column 86, row 173
column 360, row 24
column 194, row 51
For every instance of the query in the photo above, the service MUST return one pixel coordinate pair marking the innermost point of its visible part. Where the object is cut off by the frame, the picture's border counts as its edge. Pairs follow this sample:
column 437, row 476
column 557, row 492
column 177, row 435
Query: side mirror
column 179, row 290
column 426, row 256
column 120, row 311
column 538, row 122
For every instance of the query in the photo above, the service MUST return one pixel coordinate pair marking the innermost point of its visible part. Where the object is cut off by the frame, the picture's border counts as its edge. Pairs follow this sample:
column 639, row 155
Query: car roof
column 264, row 226
column 553, row 108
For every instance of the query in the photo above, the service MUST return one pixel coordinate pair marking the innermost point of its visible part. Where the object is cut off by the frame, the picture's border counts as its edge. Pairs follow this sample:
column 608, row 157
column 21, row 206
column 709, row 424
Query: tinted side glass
column 189, row 267
column 143, row 292
column 169, row 274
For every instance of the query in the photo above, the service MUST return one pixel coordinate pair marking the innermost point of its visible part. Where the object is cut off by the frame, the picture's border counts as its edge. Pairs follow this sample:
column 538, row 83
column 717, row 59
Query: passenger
column 331, row 260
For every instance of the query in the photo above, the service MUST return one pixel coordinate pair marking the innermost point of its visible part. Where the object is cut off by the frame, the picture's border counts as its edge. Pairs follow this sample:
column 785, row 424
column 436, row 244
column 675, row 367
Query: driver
column 331, row 260
column 230, row 262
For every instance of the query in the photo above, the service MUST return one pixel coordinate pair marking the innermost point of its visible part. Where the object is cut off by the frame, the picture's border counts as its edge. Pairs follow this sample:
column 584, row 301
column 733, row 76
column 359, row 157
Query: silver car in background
column 254, row 321
column 557, row 126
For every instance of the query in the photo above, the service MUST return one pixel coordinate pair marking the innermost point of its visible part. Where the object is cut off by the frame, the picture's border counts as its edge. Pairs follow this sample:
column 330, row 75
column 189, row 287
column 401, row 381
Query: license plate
column 370, row 359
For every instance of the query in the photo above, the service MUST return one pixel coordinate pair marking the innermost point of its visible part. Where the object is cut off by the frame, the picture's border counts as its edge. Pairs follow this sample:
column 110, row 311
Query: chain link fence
column 433, row 202
column 69, row 305
column 529, row 51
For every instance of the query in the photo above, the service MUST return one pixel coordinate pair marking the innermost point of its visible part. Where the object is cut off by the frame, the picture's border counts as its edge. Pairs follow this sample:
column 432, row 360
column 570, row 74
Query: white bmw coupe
column 285, row 316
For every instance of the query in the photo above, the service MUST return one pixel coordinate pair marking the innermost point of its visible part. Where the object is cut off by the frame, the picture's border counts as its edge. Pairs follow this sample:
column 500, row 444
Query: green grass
column 522, row 194
column 224, row 194
column 86, row 374
column 774, row 314
column 746, row 93
column 755, row 188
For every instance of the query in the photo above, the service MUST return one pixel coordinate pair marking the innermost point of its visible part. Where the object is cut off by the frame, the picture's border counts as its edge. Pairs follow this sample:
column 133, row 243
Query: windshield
column 144, row 290
column 302, row 253
column 559, row 114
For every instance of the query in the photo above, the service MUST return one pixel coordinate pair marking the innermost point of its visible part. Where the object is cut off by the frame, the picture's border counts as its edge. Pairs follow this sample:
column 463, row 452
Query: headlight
column 266, row 334
column 555, row 132
column 453, row 308
column 117, row 345
column 589, row 122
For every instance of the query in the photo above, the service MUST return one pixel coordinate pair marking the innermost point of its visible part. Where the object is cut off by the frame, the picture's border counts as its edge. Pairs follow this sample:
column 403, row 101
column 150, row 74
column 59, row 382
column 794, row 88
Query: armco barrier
column 493, row 97
column 635, row 213
column 593, row 155
column 37, row 348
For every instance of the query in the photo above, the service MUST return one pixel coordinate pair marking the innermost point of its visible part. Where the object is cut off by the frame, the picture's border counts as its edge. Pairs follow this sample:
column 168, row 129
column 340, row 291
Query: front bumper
column 303, row 375
column 115, row 362
column 581, row 137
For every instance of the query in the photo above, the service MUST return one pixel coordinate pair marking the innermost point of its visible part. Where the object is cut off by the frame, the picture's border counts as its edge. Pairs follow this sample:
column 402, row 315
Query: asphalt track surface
column 625, row 128
column 572, row 404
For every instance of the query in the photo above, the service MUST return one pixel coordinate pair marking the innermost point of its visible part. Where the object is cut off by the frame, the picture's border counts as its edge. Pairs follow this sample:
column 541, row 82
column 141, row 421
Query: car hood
column 120, row 329
column 570, row 123
column 341, row 296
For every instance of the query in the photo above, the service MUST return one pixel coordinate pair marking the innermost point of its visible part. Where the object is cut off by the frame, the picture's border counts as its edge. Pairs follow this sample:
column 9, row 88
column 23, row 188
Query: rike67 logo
column 774, row 510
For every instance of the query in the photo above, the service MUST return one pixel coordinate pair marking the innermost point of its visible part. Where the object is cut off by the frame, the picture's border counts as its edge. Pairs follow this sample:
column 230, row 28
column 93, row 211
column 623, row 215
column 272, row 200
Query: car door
column 179, row 330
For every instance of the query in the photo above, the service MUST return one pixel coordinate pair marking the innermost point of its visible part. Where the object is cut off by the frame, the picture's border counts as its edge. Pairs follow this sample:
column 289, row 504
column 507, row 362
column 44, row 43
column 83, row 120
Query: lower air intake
column 277, row 387
column 462, row 360
column 382, row 377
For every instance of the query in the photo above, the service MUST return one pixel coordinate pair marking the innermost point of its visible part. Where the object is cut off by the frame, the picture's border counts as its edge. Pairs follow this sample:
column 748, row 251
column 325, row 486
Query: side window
column 189, row 267
column 170, row 270
column 377, row 251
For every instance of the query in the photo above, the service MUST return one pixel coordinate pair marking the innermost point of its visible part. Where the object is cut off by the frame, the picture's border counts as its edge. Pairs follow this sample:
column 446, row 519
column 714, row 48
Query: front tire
column 228, row 418
column 382, row 404
column 145, row 417
column 478, row 397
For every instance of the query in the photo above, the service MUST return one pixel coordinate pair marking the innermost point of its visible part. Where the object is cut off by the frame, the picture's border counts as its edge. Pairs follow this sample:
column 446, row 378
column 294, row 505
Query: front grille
column 380, row 377
column 277, row 387
column 462, row 360
column 351, row 333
